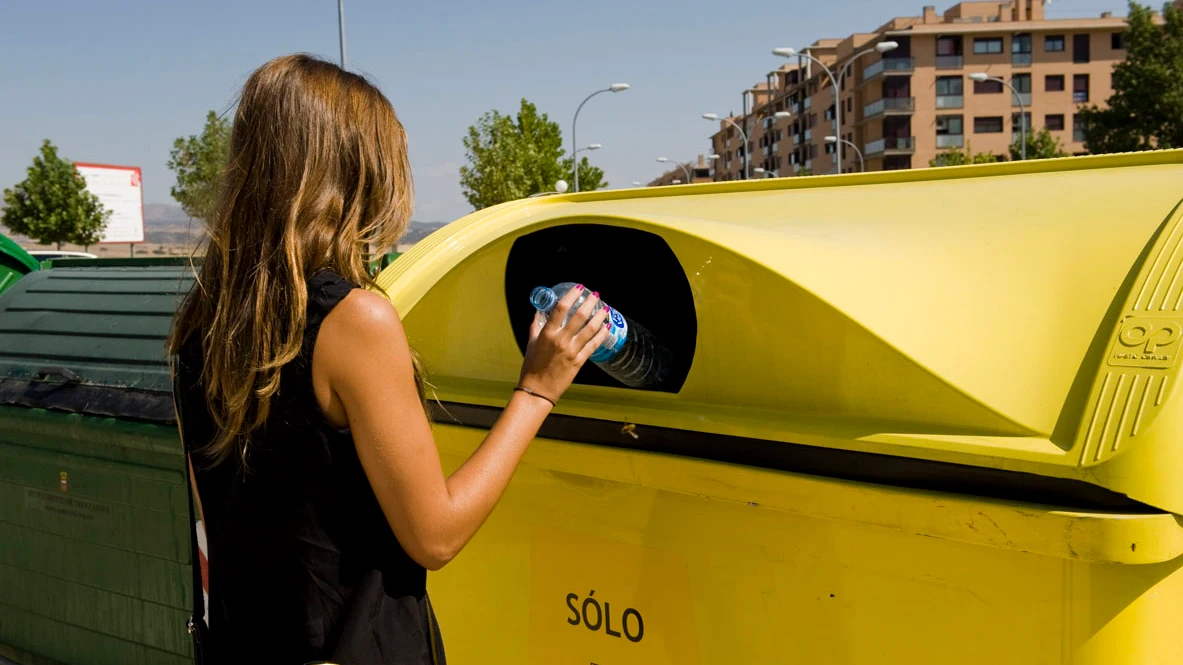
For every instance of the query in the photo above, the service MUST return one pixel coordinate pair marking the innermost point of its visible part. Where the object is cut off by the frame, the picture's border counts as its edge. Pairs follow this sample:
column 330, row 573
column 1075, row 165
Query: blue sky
column 117, row 81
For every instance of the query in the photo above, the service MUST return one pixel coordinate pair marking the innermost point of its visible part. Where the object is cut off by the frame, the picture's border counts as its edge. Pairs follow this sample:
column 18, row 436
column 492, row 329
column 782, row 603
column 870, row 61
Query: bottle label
column 617, row 336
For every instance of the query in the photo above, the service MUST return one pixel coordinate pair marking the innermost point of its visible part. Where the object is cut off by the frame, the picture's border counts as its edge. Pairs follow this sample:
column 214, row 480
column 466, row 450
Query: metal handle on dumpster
column 69, row 375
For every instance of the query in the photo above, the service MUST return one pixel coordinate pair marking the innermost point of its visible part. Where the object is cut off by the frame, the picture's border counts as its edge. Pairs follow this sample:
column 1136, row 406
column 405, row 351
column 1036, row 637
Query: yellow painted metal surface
column 728, row 564
column 1021, row 317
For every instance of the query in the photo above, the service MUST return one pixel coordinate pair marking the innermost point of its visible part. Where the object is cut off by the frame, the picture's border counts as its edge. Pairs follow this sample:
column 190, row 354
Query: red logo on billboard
column 135, row 178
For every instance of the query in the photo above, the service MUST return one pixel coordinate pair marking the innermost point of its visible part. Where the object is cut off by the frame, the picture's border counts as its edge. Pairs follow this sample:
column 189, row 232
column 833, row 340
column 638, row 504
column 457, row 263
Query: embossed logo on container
column 1146, row 342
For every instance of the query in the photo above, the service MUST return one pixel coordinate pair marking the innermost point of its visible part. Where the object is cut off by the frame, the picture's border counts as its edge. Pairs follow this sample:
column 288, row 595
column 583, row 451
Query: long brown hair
column 318, row 176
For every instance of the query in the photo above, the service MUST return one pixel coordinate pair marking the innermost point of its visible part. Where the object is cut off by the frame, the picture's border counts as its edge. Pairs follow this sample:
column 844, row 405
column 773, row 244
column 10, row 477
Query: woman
column 321, row 488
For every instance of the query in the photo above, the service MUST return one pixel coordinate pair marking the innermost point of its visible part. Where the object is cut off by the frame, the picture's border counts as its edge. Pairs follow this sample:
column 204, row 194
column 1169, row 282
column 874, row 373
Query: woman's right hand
column 556, row 352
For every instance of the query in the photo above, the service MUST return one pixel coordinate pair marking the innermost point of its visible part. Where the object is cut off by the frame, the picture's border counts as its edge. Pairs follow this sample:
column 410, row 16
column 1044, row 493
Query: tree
column 1145, row 110
column 52, row 204
column 591, row 177
column 959, row 157
column 198, row 162
column 512, row 157
column 1040, row 145
column 803, row 171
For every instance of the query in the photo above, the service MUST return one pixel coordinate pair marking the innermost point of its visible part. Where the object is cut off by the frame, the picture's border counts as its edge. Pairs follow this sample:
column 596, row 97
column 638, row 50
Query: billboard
column 120, row 190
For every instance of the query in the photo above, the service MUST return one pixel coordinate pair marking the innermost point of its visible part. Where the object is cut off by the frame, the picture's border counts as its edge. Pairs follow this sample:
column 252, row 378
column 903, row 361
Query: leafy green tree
column 198, row 162
column 52, row 204
column 512, row 157
column 1145, row 110
column 801, row 171
column 1040, row 145
column 962, row 156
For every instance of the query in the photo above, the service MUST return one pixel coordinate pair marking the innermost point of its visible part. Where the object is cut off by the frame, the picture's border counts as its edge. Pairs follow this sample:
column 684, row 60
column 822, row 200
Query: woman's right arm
column 364, row 375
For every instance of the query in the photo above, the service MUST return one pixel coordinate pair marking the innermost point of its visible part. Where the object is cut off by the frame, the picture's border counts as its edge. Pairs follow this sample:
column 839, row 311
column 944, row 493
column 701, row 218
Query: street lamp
column 636, row 183
column 665, row 160
column 862, row 166
column 341, row 28
column 615, row 87
column 590, row 146
column 744, row 135
column 881, row 48
column 675, row 181
column 981, row 77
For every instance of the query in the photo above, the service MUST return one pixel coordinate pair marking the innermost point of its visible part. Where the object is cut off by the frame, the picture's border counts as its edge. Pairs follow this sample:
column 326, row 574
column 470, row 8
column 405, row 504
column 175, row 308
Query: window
column 1117, row 41
column 987, row 87
column 1054, row 83
column 1077, row 128
column 1053, row 43
column 950, row 85
column 1080, row 48
column 1022, row 83
column 1080, row 88
column 850, row 104
column 1017, row 122
column 950, row 91
column 988, row 125
column 1020, row 50
column 1054, row 123
column 950, row 131
column 987, row 45
column 948, row 46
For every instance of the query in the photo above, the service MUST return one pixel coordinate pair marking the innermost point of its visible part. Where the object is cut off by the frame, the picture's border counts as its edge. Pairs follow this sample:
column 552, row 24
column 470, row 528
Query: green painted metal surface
column 14, row 262
column 94, row 544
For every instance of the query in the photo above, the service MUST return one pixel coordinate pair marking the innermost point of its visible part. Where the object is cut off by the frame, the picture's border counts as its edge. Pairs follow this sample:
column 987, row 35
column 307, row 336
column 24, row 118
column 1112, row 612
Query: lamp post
column 744, row 135
column 341, row 28
column 615, row 87
column 981, row 77
column 862, row 166
column 685, row 169
column 590, row 146
column 836, row 83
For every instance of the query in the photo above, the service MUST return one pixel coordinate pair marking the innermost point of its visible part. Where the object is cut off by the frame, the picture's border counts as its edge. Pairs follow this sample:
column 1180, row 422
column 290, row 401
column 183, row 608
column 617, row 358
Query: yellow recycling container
column 918, row 417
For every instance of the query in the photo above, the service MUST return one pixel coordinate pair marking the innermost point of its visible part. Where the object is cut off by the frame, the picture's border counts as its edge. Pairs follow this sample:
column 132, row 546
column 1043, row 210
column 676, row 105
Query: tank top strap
column 326, row 289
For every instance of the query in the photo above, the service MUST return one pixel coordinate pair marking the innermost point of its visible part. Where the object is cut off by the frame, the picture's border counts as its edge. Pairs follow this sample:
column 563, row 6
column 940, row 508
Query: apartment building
column 699, row 171
column 902, row 107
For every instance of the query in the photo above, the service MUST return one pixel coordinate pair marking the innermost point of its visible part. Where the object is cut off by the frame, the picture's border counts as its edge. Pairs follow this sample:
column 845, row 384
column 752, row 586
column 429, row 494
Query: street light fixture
column 747, row 173
column 636, row 183
column 615, row 87
column 982, row 77
column 665, row 160
column 675, row 181
column 836, row 82
column 862, row 165
column 782, row 115
column 590, row 146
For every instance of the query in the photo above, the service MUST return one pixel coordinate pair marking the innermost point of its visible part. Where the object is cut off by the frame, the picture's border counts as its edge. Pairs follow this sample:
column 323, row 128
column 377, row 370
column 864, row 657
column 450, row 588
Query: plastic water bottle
column 631, row 354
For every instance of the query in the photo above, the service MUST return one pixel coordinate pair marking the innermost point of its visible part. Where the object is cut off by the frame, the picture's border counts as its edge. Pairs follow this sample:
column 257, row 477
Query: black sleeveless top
column 303, row 566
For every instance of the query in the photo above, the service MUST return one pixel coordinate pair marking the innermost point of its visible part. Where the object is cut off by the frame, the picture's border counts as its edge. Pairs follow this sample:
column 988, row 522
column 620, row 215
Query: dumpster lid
column 91, row 340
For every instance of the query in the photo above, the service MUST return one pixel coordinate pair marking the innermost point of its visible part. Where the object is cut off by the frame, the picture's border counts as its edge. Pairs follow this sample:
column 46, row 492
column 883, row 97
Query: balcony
column 950, row 101
column 1020, row 59
column 889, row 66
column 794, row 109
column 1080, row 97
column 808, row 135
column 1021, row 99
column 950, row 141
column 1078, row 134
column 891, row 145
column 950, row 61
column 890, row 106
column 796, row 139
column 808, row 102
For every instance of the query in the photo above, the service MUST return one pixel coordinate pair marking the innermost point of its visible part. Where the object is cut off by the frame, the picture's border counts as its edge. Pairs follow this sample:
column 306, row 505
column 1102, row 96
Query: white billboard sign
column 120, row 190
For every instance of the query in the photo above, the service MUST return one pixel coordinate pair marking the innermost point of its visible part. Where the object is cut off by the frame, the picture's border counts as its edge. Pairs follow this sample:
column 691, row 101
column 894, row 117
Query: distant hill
column 167, row 224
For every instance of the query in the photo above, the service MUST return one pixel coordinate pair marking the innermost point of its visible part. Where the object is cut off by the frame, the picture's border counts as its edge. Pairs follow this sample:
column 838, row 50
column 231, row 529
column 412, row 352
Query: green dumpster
column 94, row 541
column 14, row 262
